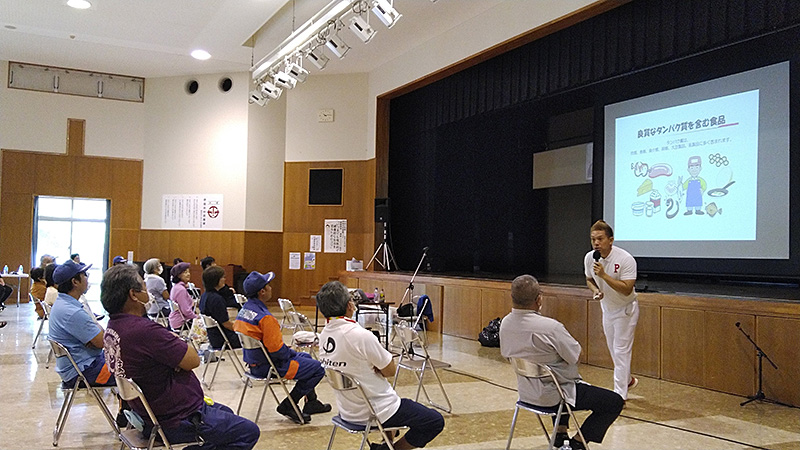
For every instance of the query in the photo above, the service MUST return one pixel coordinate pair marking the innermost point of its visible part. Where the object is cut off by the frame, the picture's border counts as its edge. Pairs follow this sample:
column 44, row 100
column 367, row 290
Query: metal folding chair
column 133, row 438
column 80, row 383
column 226, row 349
column 249, row 343
column 286, row 307
column 240, row 299
column 419, row 363
column 528, row 369
column 304, row 338
column 342, row 382
column 45, row 317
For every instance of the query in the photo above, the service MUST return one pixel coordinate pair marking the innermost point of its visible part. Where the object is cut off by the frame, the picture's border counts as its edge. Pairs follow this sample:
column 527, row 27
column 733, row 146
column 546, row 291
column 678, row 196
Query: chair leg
column 235, row 360
column 49, row 358
column 364, row 438
column 205, row 369
column 104, row 408
column 63, row 414
column 216, row 368
column 441, row 386
column 261, row 402
column 38, row 333
column 577, row 425
column 333, row 434
column 241, row 399
column 513, row 424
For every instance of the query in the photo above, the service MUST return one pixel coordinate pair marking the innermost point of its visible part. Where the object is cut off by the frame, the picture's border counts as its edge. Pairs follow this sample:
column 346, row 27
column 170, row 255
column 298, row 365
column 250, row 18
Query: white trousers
column 619, row 326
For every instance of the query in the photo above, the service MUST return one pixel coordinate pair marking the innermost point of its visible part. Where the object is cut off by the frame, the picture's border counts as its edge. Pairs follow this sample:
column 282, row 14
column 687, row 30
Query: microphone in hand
column 596, row 255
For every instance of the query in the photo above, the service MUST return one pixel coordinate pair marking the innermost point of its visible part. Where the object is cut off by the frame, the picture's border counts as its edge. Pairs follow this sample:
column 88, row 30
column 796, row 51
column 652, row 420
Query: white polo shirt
column 346, row 346
column 621, row 266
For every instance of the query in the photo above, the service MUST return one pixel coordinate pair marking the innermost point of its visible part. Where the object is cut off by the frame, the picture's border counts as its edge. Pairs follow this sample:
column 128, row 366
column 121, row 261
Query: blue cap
column 119, row 259
column 255, row 282
column 65, row 272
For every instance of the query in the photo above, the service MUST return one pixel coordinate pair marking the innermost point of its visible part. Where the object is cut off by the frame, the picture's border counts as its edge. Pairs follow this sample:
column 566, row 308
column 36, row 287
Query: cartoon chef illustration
column 694, row 187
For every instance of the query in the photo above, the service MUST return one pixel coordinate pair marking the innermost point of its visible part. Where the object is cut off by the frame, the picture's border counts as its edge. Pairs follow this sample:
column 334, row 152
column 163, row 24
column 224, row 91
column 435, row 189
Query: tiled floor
column 481, row 386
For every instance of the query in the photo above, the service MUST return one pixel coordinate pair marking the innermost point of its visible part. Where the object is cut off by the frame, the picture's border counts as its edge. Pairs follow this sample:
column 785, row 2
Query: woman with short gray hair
column 156, row 287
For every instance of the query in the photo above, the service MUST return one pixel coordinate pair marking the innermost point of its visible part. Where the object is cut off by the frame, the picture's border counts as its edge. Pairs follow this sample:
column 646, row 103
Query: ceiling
column 153, row 38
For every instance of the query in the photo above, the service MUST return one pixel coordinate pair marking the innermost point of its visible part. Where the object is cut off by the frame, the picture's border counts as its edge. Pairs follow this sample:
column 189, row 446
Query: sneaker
column 633, row 383
column 287, row 410
column 560, row 438
column 316, row 407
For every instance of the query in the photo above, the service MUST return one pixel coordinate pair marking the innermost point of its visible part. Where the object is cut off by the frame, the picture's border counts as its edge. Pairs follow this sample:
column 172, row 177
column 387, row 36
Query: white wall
column 196, row 144
column 345, row 138
column 37, row 121
column 508, row 19
column 266, row 144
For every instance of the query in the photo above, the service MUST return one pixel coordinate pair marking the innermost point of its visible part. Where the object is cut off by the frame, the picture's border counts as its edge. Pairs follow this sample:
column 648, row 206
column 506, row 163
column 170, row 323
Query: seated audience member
column 5, row 292
column 38, row 288
column 75, row 257
column 156, row 287
column 73, row 327
column 51, row 293
column 226, row 291
column 180, row 277
column 346, row 346
column 212, row 304
column 526, row 334
column 161, row 364
column 119, row 260
column 256, row 321
column 46, row 259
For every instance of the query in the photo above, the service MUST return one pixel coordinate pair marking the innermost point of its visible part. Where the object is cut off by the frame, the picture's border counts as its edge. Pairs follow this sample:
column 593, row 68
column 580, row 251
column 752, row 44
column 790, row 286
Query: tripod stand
column 387, row 258
column 759, row 395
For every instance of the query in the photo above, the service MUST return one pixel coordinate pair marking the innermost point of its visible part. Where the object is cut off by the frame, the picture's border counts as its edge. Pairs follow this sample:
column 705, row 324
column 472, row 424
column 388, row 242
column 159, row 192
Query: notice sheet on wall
column 315, row 244
column 309, row 260
column 335, row 235
column 191, row 211
column 294, row 260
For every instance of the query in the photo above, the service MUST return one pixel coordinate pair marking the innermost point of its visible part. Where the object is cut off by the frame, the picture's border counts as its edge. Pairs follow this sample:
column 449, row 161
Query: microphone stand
column 409, row 293
column 759, row 395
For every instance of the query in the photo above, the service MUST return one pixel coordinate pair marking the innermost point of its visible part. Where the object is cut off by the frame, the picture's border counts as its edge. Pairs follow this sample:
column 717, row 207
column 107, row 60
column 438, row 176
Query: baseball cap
column 119, row 259
column 65, row 272
column 178, row 269
column 255, row 281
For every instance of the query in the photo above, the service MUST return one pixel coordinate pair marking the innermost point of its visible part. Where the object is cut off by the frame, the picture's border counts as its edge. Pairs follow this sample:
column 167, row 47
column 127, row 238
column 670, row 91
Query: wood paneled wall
column 686, row 339
column 29, row 174
column 300, row 221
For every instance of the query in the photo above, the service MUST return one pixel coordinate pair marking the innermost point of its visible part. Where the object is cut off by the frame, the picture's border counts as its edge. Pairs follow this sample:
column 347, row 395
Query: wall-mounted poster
column 294, row 260
column 309, row 260
column 335, row 235
column 315, row 244
column 191, row 211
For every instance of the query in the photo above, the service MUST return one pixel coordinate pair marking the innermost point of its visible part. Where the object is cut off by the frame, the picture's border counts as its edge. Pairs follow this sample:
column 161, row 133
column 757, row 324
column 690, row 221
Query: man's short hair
column 66, row 286
column 525, row 290
column 207, row 261
column 332, row 299
column 48, row 274
column 600, row 225
column 211, row 277
column 117, row 282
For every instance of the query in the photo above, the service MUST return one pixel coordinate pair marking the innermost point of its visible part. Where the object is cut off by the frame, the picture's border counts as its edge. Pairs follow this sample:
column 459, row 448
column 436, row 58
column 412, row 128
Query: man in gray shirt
column 526, row 334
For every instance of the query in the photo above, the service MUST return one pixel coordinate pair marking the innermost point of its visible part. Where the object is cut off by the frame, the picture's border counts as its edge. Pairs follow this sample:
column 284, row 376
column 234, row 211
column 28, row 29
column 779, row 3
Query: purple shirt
column 145, row 351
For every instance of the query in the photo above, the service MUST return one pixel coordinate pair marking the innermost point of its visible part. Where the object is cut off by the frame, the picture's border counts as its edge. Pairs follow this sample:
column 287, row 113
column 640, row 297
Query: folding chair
column 240, row 299
column 286, row 306
column 341, row 383
column 304, row 337
column 133, row 438
column 528, row 369
column 226, row 348
column 249, row 343
column 419, row 363
column 186, row 325
column 418, row 320
column 45, row 317
column 80, row 383
column 159, row 317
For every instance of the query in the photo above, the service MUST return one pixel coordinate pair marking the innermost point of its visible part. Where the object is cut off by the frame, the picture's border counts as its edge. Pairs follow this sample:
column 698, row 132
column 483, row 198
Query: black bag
column 406, row 310
column 490, row 336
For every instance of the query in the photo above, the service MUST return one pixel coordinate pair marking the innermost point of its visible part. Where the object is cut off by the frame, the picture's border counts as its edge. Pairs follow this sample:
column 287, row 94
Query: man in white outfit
column 611, row 275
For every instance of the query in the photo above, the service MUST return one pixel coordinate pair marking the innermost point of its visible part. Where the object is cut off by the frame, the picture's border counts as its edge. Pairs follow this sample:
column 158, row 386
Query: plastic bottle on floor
column 565, row 445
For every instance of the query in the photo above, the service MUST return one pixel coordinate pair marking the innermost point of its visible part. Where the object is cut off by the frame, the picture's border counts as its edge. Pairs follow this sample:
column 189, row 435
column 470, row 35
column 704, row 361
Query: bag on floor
column 490, row 336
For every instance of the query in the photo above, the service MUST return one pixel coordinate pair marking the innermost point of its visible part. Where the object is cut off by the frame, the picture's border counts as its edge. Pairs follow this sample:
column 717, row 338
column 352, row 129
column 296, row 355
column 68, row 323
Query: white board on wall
column 563, row 167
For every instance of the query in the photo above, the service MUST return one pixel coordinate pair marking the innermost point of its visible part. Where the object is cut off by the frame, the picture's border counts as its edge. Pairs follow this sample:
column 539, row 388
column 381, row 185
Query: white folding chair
column 419, row 362
column 226, row 349
column 80, row 383
column 286, row 306
column 249, row 343
column 528, row 369
column 240, row 299
column 304, row 338
column 45, row 317
column 133, row 438
column 342, row 382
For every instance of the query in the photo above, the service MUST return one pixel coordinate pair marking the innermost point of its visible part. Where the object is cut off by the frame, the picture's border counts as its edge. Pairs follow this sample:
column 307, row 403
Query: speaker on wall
column 382, row 210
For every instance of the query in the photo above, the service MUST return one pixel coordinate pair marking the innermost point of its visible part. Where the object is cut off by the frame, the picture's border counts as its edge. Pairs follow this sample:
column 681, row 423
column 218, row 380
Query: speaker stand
column 387, row 258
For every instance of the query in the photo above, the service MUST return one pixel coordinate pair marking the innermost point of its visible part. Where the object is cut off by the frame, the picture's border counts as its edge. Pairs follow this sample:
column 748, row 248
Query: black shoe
column 577, row 445
column 560, row 438
column 286, row 409
column 121, row 420
column 377, row 446
column 316, row 407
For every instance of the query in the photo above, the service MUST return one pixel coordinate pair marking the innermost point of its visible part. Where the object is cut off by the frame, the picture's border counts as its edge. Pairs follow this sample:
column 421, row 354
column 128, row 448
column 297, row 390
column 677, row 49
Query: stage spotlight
column 361, row 28
column 270, row 90
column 283, row 80
column 386, row 13
column 297, row 72
column 318, row 58
column 257, row 98
column 338, row 46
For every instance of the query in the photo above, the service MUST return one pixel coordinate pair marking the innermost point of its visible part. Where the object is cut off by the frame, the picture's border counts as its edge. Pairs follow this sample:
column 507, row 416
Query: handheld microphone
column 596, row 255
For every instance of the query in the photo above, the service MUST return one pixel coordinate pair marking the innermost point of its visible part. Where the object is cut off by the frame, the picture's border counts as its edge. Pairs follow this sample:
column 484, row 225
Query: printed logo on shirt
column 247, row 314
column 330, row 345
column 616, row 268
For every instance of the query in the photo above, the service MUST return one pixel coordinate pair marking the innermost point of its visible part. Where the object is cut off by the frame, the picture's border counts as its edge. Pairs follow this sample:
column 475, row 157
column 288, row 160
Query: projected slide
column 701, row 171
column 689, row 172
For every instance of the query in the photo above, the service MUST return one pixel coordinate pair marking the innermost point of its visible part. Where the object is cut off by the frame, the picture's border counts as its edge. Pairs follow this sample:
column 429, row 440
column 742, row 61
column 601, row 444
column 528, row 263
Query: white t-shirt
column 621, row 266
column 346, row 346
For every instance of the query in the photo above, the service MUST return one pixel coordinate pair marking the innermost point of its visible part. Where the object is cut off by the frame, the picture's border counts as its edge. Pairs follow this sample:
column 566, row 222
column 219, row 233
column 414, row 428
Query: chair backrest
column 240, row 298
column 129, row 390
column 45, row 306
column 59, row 350
column 299, row 320
column 341, row 382
column 251, row 343
column 530, row 369
column 175, row 307
column 209, row 322
column 285, row 304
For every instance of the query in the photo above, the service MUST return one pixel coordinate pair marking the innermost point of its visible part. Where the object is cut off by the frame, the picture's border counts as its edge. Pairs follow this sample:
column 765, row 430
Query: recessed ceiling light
column 202, row 55
column 79, row 4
